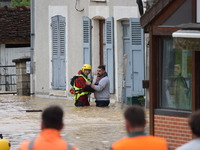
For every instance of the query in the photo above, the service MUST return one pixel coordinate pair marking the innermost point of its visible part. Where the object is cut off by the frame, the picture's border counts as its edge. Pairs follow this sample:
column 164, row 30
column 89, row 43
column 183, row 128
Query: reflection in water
column 88, row 128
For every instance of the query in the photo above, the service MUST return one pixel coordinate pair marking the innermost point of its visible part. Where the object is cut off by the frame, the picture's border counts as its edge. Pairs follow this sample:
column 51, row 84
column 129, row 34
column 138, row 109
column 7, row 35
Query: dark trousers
column 82, row 101
column 102, row 103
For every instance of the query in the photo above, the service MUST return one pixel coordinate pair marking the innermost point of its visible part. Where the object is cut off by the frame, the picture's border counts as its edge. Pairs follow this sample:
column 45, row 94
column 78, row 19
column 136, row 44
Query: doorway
column 102, row 41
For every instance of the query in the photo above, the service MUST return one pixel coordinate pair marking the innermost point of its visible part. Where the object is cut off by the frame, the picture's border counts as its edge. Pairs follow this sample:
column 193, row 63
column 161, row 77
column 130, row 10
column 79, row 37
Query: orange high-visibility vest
column 49, row 139
column 140, row 143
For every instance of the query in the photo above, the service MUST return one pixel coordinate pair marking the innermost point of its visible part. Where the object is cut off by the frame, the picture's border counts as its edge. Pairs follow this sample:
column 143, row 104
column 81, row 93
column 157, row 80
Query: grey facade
column 92, row 32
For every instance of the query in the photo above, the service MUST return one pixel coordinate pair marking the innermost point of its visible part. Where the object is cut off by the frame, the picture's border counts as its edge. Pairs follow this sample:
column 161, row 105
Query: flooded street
column 89, row 128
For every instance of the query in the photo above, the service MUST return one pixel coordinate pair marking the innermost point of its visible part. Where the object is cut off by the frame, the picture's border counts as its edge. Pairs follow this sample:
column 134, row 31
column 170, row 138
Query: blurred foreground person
column 49, row 138
column 138, row 139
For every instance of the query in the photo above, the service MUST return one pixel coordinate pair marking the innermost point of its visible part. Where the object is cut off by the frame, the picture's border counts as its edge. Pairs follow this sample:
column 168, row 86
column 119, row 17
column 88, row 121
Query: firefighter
column 82, row 91
column 4, row 144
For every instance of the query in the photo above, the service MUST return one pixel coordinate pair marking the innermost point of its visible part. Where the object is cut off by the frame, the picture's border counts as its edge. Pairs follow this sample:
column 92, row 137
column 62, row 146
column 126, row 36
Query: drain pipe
column 32, row 65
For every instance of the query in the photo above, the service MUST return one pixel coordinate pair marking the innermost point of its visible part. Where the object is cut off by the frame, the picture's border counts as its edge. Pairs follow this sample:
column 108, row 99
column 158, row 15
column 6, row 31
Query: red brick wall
column 174, row 129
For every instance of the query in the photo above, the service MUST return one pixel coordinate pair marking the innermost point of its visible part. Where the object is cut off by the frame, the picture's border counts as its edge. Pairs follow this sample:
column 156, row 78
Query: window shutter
column 109, row 51
column 54, row 25
column 87, row 41
column 58, row 52
column 55, row 51
column 62, row 66
column 137, row 50
column 62, row 35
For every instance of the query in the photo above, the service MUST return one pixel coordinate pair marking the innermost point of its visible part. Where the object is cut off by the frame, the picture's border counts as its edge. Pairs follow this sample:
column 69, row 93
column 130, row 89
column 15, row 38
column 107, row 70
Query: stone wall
column 22, row 77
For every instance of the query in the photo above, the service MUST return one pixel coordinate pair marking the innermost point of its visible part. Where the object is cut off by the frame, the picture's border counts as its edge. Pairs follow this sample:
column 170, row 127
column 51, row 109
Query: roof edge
column 16, row 8
column 154, row 11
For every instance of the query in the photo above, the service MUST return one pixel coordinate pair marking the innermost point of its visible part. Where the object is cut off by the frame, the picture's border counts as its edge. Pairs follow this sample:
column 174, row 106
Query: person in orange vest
column 138, row 139
column 49, row 138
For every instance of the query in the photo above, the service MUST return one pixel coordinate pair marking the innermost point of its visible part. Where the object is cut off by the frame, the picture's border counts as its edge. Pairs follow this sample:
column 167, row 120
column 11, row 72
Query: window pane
column 176, row 77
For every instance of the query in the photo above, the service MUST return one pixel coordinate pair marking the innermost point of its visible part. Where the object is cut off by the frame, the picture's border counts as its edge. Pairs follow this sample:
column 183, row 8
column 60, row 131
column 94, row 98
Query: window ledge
column 172, row 112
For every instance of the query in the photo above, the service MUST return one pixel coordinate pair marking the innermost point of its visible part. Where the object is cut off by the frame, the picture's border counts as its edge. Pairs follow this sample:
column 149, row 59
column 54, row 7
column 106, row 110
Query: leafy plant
column 141, row 99
column 20, row 3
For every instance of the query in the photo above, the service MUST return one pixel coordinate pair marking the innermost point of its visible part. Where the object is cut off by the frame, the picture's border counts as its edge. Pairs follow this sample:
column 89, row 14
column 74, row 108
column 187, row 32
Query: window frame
column 161, row 97
column 195, row 93
column 154, row 34
column 159, row 110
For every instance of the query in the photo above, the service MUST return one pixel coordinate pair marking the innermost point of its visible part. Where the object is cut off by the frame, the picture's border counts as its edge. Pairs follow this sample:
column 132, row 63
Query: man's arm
column 102, row 84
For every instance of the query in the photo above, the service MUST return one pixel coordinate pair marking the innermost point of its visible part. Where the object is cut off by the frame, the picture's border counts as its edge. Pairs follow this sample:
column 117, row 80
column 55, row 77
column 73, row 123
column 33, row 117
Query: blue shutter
column 127, row 60
column 86, row 40
column 58, row 52
column 137, row 54
column 55, row 51
column 62, row 66
column 109, row 52
column 62, row 35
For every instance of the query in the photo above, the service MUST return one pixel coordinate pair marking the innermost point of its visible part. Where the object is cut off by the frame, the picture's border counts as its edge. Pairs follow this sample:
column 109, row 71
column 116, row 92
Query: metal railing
column 8, row 78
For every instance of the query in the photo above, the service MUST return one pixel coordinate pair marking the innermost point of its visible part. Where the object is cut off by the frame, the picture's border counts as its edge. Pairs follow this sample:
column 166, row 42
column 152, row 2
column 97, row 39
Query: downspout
column 32, row 65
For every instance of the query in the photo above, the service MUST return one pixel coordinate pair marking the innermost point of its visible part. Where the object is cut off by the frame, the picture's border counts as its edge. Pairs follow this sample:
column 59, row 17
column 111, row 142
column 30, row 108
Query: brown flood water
column 89, row 128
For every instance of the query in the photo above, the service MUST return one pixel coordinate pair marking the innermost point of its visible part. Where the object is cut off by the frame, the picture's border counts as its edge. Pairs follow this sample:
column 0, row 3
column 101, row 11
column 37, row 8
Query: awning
column 187, row 34
column 186, row 40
